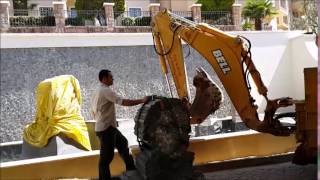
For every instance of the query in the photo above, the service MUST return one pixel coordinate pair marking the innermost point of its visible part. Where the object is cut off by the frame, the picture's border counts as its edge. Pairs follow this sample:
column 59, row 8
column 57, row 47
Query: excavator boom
column 230, row 58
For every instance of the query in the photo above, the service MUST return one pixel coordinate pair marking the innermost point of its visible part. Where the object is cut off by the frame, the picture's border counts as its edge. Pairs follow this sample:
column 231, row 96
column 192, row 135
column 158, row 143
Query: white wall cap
column 196, row 5
column 236, row 5
column 33, row 40
column 58, row 2
column 154, row 4
column 108, row 4
column 5, row 2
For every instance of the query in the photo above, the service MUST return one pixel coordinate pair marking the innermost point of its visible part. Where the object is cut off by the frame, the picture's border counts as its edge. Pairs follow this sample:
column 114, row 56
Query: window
column 46, row 11
column 285, row 19
column 283, row 4
column 20, row 12
column 73, row 13
column 134, row 12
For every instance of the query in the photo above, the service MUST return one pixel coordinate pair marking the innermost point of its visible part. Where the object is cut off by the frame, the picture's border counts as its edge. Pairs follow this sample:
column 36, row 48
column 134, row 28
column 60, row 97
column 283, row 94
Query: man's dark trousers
column 109, row 139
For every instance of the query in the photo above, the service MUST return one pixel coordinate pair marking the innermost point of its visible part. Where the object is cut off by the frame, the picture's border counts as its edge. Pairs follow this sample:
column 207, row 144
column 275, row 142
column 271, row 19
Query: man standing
column 103, row 111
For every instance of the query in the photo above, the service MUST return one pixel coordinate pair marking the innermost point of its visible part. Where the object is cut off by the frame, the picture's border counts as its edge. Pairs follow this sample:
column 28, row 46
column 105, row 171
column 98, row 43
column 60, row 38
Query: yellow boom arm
column 228, row 56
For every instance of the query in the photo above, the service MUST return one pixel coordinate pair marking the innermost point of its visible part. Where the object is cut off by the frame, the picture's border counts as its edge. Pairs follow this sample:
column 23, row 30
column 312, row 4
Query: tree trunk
column 258, row 24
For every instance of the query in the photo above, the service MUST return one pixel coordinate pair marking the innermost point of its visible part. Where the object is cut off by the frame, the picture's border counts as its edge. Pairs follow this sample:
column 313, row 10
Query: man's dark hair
column 104, row 73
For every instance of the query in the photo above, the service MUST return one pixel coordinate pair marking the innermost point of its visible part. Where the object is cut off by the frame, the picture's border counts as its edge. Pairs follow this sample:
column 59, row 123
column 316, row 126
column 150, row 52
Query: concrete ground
column 277, row 167
column 280, row 171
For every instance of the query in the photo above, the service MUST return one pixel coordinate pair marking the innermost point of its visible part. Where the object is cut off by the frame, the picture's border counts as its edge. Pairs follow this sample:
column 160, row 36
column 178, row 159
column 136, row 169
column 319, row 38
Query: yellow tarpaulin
column 58, row 111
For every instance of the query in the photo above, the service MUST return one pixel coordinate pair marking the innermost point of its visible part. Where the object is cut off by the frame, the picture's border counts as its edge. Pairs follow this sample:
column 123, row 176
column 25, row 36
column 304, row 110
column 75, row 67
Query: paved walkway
column 282, row 171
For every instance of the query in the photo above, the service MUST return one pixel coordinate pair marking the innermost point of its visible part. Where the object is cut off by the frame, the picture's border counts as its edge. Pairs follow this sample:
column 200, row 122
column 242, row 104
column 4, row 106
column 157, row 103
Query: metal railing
column 216, row 17
column 30, row 12
column 127, row 18
column 45, row 17
column 298, row 23
column 97, row 18
column 85, row 18
column 185, row 14
column 31, row 18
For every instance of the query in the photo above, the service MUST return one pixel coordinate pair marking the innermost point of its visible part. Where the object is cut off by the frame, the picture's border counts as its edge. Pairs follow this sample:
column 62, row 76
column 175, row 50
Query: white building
column 134, row 7
column 281, row 20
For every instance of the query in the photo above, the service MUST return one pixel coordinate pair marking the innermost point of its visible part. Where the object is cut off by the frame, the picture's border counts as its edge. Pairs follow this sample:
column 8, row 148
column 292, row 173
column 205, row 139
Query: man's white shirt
column 103, row 109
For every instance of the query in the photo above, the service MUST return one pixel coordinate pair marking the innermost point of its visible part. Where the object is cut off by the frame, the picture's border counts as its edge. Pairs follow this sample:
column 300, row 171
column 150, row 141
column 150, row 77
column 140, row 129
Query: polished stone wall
column 136, row 73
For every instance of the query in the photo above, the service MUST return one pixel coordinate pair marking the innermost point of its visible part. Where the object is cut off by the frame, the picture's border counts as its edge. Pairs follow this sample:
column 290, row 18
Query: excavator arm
column 229, row 57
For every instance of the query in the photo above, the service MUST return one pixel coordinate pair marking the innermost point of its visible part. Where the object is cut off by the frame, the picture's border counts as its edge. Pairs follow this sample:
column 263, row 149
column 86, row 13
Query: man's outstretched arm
column 133, row 102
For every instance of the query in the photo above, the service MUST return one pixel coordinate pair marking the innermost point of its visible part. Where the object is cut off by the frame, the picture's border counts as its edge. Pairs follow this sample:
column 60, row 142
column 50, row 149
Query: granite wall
column 136, row 73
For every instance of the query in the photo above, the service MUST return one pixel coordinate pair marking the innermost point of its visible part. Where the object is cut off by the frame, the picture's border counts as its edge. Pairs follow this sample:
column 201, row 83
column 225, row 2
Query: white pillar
column 108, row 9
column 4, row 14
column 236, row 16
column 196, row 12
column 59, row 12
column 154, row 8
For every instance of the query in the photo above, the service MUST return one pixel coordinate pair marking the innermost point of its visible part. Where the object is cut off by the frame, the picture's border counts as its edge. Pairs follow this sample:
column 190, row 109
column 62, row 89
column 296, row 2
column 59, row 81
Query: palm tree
column 257, row 10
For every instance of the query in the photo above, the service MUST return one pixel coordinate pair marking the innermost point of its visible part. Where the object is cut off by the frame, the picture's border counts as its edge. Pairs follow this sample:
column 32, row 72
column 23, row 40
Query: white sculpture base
column 57, row 145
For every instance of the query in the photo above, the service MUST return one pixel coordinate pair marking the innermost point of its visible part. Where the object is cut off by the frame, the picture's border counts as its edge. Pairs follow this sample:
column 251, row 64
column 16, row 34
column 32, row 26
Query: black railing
column 127, row 18
column 31, row 18
column 216, row 17
column 45, row 17
column 85, row 18
column 185, row 14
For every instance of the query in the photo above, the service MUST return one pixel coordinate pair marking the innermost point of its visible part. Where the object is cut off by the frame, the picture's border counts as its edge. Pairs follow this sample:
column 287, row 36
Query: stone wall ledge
column 91, row 29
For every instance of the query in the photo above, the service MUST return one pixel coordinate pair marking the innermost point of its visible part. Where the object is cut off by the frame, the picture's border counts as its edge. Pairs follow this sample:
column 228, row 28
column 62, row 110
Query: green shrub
column 142, row 21
column 48, row 21
column 247, row 26
column 17, row 21
column 76, row 21
column 127, row 21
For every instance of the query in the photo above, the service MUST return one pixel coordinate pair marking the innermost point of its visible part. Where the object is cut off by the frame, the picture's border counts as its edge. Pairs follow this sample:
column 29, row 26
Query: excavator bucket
column 208, row 97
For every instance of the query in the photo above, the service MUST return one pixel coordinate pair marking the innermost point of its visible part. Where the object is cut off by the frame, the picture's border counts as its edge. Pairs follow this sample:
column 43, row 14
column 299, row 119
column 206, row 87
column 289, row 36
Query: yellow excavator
column 230, row 58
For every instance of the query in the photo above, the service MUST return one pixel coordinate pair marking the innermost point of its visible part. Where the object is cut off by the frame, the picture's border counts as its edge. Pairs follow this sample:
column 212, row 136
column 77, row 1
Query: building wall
column 176, row 5
column 282, row 8
column 144, row 5
column 46, row 3
column 27, row 59
column 278, row 21
column 32, row 58
column 303, row 59
column 10, row 5
column 42, row 3
column 179, row 5
column 165, row 4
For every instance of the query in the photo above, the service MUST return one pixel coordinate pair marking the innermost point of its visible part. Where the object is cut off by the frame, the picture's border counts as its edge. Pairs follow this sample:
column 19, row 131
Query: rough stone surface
column 163, row 124
column 136, row 73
